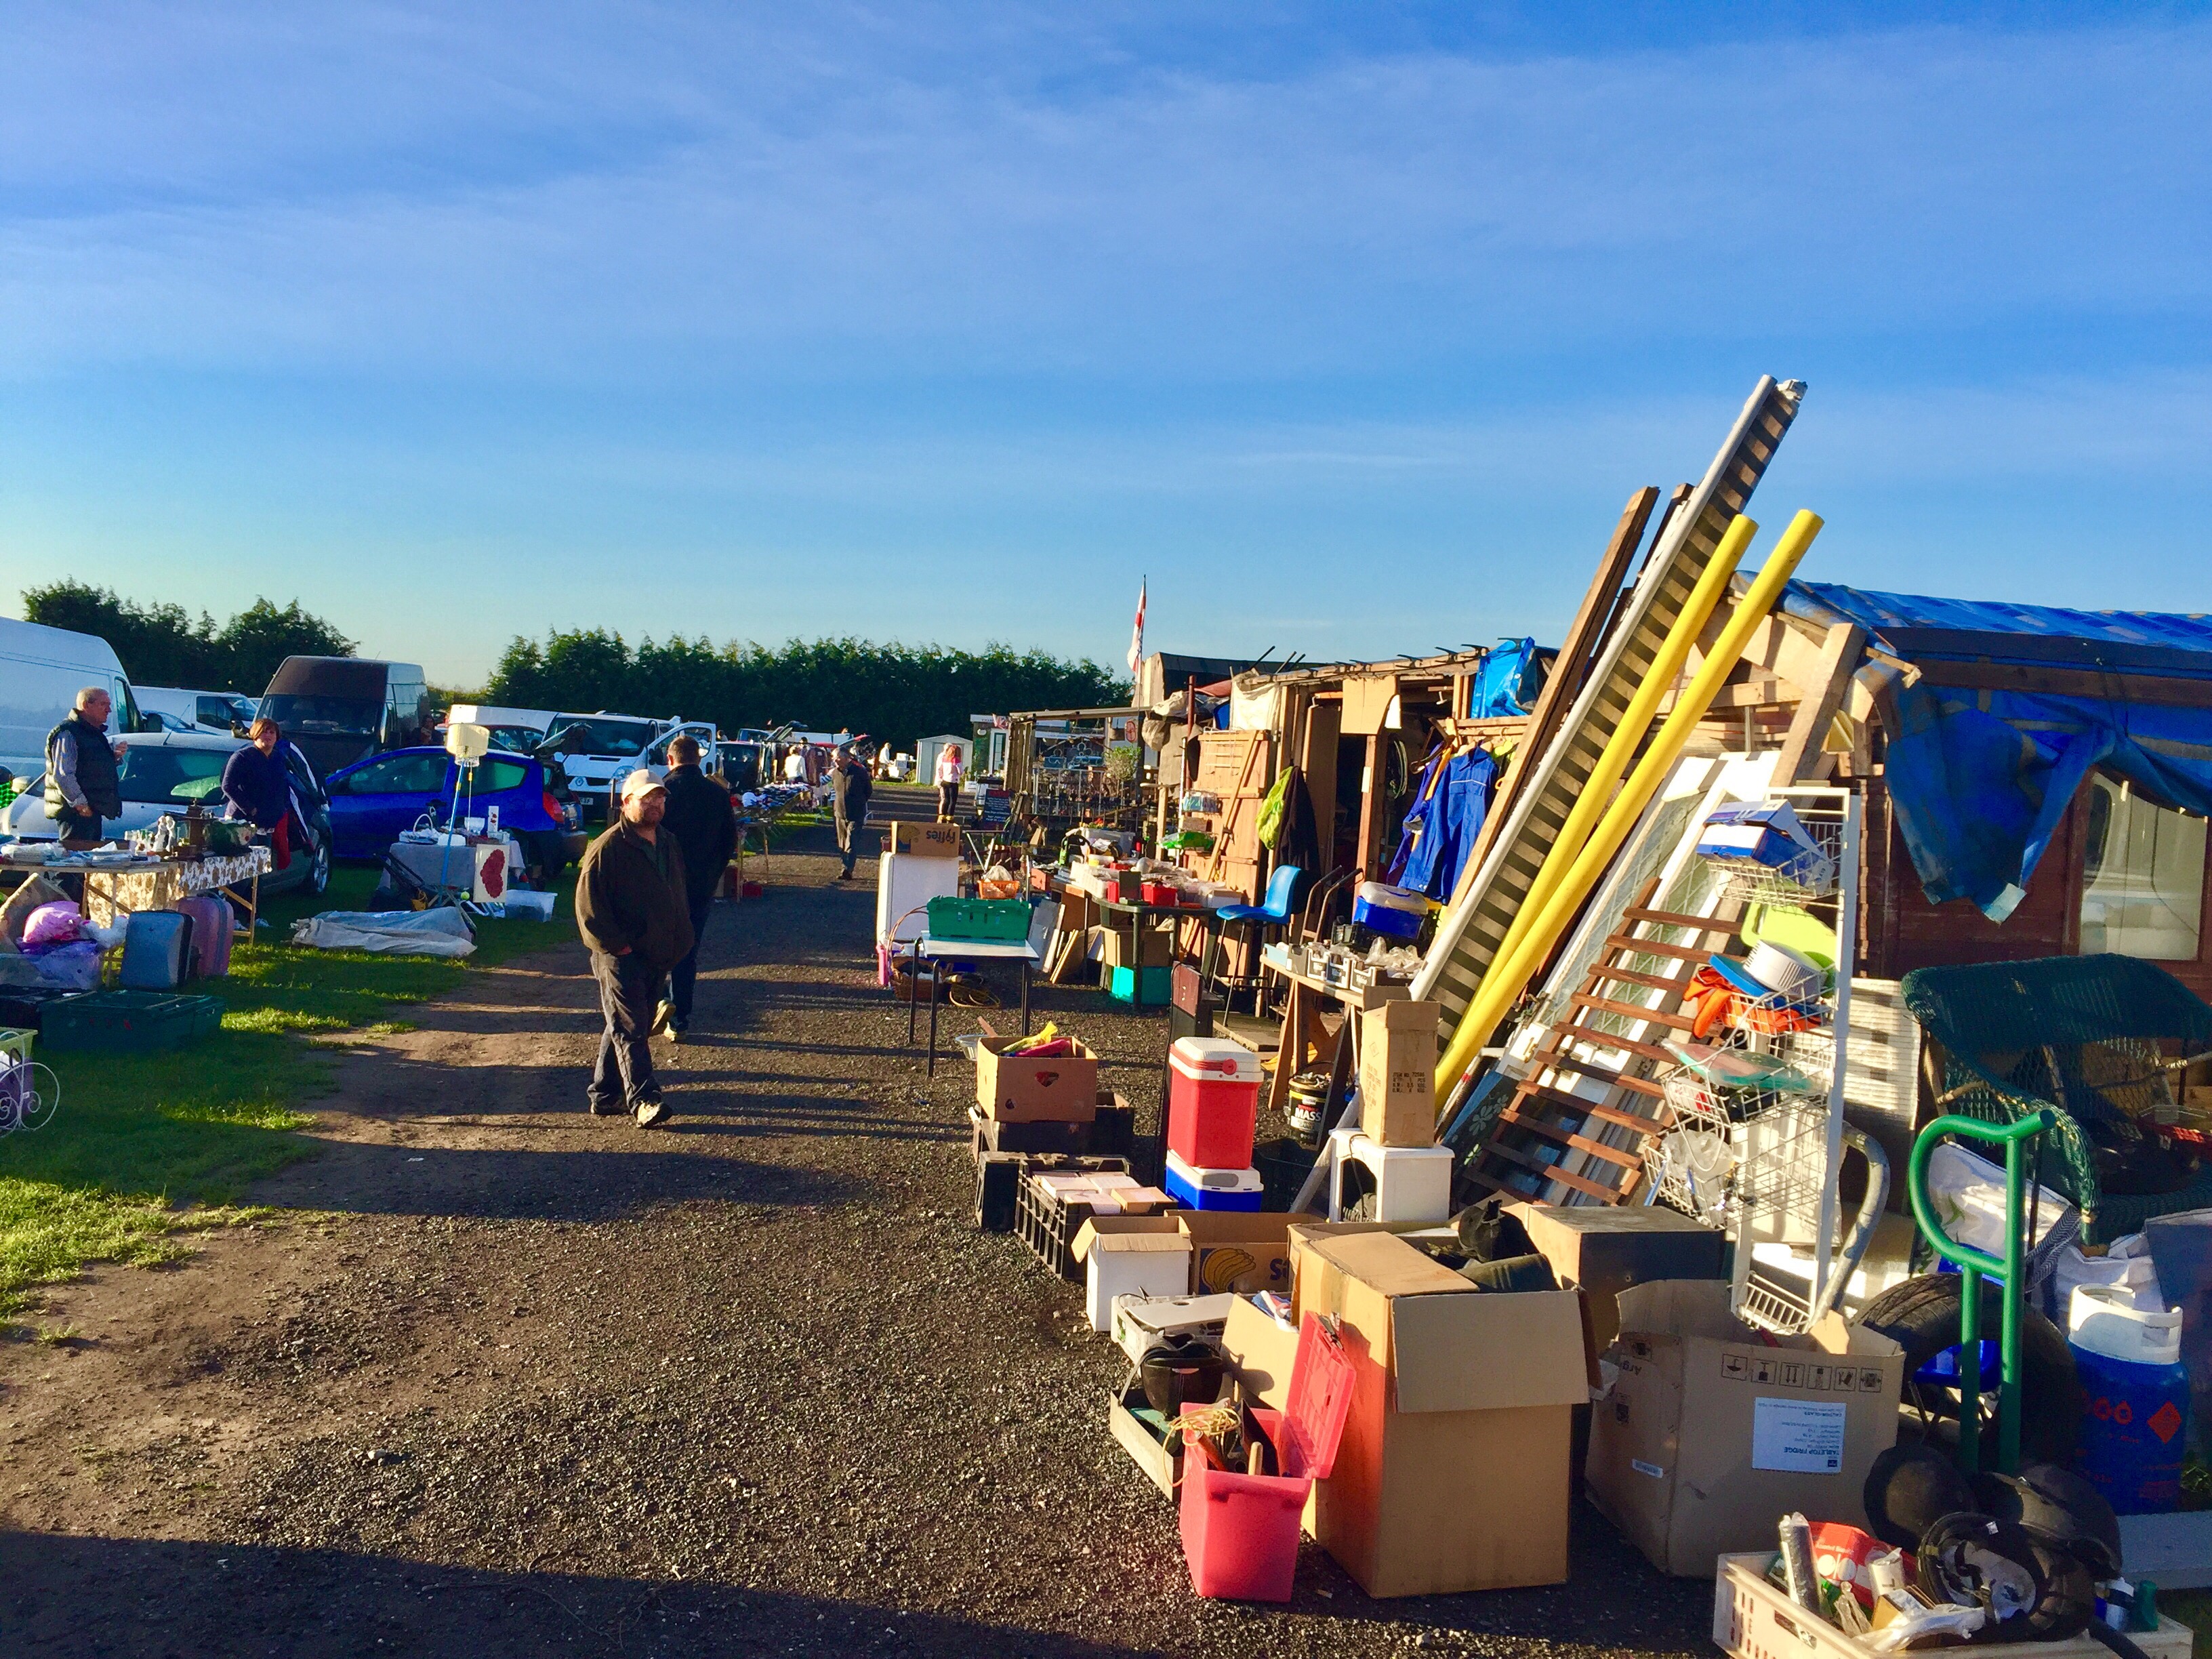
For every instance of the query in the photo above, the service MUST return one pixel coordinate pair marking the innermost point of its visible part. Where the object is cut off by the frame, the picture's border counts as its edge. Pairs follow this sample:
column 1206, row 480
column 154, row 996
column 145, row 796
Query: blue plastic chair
column 1274, row 912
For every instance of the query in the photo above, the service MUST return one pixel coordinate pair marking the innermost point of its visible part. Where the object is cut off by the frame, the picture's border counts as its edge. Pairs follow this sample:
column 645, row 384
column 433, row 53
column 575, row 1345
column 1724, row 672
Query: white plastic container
column 1141, row 1320
column 1412, row 1183
column 2105, row 1319
column 1786, row 972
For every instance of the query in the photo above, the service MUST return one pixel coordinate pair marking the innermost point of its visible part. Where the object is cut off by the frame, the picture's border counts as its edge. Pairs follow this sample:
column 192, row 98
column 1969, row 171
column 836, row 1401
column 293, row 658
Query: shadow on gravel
column 549, row 1186
column 68, row 1595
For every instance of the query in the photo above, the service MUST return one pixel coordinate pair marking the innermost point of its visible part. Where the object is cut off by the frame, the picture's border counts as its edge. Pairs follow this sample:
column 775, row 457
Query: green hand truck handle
column 1971, row 1265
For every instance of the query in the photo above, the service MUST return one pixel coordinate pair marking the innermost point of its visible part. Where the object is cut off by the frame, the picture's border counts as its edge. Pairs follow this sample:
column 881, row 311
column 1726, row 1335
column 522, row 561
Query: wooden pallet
column 1546, row 1124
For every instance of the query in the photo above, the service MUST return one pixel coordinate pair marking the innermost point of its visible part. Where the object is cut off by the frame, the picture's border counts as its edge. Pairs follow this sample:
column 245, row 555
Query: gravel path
column 517, row 1381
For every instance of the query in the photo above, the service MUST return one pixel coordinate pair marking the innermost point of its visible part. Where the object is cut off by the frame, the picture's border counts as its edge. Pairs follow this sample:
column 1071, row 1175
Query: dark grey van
column 341, row 709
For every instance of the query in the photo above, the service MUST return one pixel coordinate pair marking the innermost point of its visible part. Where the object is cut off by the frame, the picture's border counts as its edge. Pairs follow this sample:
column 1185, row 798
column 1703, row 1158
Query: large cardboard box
column 1602, row 1250
column 929, row 841
column 1130, row 946
column 1453, row 1473
column 1712, row 1430
column 1019, row 1090
column 1397, row 1073
column 1246, row 1251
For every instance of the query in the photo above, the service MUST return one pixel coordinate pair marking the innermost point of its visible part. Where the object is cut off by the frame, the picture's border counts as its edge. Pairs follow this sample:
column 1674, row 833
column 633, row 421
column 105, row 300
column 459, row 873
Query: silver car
column 167, row 772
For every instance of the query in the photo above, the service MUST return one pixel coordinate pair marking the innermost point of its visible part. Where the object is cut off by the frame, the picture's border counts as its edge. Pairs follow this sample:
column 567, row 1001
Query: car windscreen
column 622, row 738
column 171, row 777
column 309, row 716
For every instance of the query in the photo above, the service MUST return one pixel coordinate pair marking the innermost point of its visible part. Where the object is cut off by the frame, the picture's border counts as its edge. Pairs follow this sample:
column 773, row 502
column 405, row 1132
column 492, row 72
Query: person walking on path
column 633, row 910
column 258, row 785
column 849, row 789
column 84, row 771
column 705, row 825
column 949, row 768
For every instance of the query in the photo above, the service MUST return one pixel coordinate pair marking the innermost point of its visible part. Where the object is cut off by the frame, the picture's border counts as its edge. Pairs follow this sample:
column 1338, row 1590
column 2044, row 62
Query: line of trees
column 895, row 693
column 165, row 645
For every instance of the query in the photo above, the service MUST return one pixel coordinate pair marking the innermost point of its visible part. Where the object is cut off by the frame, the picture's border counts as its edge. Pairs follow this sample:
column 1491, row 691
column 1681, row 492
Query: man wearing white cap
column 633, row 911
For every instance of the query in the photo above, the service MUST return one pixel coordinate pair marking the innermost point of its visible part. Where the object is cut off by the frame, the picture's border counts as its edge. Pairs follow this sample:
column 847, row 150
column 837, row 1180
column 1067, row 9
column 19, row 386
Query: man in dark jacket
column 849, row 787
column 705, row 826
column 632, row 910
column 84, row 771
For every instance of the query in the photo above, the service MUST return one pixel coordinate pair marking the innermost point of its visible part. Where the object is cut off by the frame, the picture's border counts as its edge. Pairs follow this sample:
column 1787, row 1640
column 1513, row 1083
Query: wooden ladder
column 1545, row 1123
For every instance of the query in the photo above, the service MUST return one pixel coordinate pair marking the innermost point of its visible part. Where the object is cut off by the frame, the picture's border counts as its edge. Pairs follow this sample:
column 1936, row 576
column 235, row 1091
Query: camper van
column 41, row 671
column 341, row 709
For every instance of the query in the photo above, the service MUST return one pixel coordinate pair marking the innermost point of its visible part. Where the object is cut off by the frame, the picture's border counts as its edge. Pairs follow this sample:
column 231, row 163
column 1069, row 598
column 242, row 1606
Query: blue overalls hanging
column 1443, row 821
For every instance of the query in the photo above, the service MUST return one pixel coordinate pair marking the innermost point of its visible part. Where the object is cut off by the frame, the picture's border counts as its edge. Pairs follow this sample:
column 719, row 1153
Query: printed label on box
column 1803, row 1436
column 1762, row 1370
column 1736, row 1366
column 1642, row 1468
column 1819, row 1377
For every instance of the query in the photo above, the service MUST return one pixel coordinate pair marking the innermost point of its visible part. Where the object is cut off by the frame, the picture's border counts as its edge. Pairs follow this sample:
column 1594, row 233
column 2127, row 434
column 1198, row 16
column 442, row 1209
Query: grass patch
column 149, row 1147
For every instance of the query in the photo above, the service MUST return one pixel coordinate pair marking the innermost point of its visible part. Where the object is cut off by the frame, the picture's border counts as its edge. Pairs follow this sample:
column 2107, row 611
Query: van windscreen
column 621, row 738
column 324, row 717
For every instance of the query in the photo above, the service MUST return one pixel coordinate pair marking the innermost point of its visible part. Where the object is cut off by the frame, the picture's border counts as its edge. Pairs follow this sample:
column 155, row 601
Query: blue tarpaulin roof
column 1979, row 776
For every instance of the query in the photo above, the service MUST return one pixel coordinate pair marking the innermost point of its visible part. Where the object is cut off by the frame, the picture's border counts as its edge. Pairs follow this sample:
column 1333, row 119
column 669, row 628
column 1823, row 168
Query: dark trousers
column 948, row 795
column 685, row 974
column 845, row 829
column 628, row 994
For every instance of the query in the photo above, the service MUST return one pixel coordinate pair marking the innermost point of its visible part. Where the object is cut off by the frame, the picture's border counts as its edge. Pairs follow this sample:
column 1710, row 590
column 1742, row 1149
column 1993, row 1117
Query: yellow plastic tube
column 1512, row 971
column 1635, row 721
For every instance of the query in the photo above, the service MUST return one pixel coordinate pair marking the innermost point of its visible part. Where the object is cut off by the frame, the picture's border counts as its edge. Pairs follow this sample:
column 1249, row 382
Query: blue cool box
column 1213, row 1189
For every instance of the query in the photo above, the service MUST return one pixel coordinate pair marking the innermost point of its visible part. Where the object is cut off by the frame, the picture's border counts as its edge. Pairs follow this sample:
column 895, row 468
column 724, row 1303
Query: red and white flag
column 1137, row 633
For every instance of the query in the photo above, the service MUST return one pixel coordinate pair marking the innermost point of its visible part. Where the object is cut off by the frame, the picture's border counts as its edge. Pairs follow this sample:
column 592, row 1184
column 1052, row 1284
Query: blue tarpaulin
column 1979, row 778
column 1506, row 682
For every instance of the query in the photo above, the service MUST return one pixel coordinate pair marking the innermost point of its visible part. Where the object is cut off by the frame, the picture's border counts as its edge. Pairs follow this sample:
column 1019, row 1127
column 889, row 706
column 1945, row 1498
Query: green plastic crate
column 128, row 1021
column 985, row 920
column 1123, row 984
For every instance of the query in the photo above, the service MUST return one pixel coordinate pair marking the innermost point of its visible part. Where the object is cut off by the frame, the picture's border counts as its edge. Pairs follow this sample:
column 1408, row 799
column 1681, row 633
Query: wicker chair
column 2097, row 1037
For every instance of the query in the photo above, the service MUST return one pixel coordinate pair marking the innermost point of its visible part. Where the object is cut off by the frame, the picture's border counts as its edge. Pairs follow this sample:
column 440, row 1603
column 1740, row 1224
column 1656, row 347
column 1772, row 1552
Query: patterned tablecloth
column 106, row 892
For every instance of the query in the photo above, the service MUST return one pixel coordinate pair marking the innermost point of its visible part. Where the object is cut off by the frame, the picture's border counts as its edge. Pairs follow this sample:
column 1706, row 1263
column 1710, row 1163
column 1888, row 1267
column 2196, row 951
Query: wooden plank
column 1568, row 1138
column 1669, row 919
column 1647, row 1125
column 1629, row 1010
column 1552, row 1172
column 1632, row 976
column 1803, row 760
column 2049, row 682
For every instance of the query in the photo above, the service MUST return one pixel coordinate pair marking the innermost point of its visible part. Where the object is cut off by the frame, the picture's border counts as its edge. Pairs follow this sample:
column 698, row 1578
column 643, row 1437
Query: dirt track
column 526, row 1382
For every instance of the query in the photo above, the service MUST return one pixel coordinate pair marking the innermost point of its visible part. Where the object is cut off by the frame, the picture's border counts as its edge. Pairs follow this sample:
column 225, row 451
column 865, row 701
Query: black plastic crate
column 998, row 1177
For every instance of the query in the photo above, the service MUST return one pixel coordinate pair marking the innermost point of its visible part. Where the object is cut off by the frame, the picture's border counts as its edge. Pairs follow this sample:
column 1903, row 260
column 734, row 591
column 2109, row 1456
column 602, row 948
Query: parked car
column 198, row 711
column 167, row 772
column 371, row 801
column 41, row 671
column 586, row 753
column 341, row 709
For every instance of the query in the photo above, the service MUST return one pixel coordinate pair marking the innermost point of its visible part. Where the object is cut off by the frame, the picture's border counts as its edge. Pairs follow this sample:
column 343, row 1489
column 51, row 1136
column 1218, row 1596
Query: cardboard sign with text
column 1397, row 1073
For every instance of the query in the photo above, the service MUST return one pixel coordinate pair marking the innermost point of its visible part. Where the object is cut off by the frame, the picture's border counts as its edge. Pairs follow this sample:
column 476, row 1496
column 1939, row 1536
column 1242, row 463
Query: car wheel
column 318, row 868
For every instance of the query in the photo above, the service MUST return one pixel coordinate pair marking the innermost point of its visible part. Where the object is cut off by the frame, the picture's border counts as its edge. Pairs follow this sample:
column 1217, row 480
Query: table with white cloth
column 153, row 884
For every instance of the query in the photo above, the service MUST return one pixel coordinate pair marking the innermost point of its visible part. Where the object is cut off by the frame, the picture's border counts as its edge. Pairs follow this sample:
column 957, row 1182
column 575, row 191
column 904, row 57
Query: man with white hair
column 635, row 912
column 84, row 770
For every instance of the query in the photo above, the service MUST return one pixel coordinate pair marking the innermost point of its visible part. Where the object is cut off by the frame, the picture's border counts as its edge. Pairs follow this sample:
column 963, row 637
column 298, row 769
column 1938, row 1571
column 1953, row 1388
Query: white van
column 517, row 731
column 203, row 711
column 592, row 751
column 41, row 671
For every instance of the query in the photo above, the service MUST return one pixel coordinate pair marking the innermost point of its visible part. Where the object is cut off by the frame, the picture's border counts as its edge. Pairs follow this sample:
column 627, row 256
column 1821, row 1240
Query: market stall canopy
column 1997, row 713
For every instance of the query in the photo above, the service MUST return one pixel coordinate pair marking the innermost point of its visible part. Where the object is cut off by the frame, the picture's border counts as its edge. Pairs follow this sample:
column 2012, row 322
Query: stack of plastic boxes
column 1213, row 1112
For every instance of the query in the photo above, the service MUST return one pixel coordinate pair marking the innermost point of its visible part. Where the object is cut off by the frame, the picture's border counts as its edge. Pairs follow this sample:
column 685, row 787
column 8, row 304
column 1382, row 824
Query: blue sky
column 1351, row 327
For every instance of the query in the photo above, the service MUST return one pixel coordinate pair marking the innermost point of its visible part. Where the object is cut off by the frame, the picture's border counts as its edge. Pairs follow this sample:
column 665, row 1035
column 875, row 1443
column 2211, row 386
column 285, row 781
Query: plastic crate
column 129, row 1022
column 1048, row 1223
column 1123, row 984
column 999, row 1177
column 984, row 920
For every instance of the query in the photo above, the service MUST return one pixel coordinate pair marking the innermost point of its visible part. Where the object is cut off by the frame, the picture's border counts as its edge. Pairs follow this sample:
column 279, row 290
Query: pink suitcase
column 211, row 929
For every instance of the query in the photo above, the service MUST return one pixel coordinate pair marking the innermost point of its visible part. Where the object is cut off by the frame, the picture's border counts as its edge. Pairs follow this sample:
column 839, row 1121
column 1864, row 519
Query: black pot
column 1181, row 1370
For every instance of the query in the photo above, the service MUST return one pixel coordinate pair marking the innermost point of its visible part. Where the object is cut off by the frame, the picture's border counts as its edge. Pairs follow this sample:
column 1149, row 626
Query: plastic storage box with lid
column 1410, row 1183
column 1213, row 1103
column 1240, row 1532
column 1199, row 1189
column 985, row 922
column 1396, row 911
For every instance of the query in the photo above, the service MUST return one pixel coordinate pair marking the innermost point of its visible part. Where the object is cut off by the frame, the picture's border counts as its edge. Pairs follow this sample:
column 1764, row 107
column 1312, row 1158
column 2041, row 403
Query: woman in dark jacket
column 258, row 786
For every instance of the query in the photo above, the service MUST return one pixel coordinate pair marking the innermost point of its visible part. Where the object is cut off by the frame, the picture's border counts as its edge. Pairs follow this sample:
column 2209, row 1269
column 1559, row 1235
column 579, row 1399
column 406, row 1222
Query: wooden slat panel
column 1580, row 1143
column 1630, row 1010
column 1692, row 924
column 1650, row 1126
column 1552, row 1172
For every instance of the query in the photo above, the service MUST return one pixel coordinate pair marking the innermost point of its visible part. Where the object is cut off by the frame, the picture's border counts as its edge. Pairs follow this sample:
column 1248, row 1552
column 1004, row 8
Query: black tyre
column 1921, row 1316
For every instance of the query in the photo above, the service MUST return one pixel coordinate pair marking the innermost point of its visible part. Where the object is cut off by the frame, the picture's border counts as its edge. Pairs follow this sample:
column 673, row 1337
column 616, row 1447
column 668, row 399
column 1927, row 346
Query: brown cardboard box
column 1602, row 1250
column 1453, row 1472
column 1397, row 1073
column 1245, row 1251
column 1712, row 1431
column 929, row 840
column 1130, row 946
column 1262, row 1352
column 1024, row 1091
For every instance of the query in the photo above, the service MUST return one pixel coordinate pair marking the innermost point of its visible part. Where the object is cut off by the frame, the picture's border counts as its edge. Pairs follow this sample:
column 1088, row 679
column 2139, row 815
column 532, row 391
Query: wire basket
column 1807, row 879
column 1692, row 1170
column 1782, row 1169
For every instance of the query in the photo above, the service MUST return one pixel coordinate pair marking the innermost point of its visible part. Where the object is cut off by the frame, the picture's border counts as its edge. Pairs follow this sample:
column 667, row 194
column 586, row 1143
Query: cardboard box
column 1131, row 1422
column 1712, row 1430
column 1260, row 1351
column 1602, row 1250
column 1129, row 946
column 1023, row 1090
column 1397, row 1073
column 1454, row 1471
column 1142, row 1255
column 1246, row 1251
column 929, row 841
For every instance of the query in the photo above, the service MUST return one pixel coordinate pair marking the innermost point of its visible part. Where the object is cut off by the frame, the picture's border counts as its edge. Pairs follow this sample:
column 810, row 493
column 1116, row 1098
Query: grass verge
column 147, row 1148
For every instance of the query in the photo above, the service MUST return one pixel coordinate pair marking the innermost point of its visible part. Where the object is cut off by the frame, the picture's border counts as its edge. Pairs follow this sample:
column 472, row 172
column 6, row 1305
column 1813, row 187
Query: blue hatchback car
column 371, row 801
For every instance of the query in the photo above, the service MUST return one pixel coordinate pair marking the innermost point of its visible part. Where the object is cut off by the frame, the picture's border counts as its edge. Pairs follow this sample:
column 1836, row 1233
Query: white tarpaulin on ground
column 443, row 931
